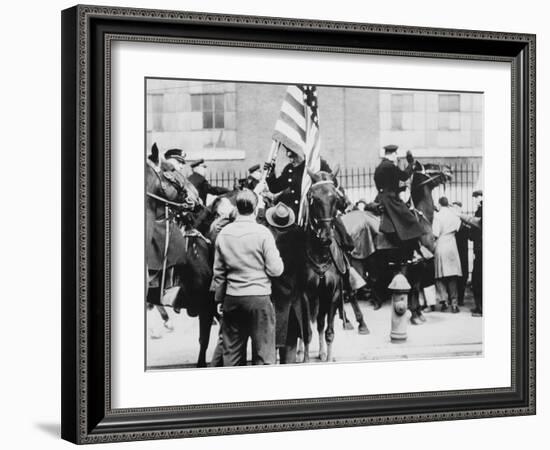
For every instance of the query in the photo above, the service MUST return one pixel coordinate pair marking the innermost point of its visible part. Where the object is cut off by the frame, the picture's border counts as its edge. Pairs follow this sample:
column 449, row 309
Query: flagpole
column 271, row 160
column 300, row 218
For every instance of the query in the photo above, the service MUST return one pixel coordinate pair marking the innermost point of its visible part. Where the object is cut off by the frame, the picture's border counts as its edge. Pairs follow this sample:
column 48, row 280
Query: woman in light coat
column 447, row 259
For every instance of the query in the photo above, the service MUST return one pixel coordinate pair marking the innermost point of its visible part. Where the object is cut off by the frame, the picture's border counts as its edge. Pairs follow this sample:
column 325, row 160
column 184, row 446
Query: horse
column 421, row 272
column 175, row 254
column 382, row 258
column 324, row 267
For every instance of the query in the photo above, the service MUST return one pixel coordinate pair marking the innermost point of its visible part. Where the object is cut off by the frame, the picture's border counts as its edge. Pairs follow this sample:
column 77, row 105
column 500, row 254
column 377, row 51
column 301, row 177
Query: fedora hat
column 280, row 216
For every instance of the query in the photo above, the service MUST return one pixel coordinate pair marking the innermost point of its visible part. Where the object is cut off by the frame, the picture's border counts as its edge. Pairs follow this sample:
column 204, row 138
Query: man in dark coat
column 291, row 316
column 397, row 220
column 197, row 178
column 475, row 225
column 289, row 184
column 461, row 237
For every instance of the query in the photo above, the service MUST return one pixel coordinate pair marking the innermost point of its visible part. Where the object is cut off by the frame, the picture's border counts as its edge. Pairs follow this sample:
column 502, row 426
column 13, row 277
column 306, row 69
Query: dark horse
column 383, row 258
column 324, row 261
column 183, row 259
column 421, row 272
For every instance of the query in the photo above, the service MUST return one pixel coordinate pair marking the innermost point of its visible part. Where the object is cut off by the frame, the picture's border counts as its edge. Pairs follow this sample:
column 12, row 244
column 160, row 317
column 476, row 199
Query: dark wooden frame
column 87, row 32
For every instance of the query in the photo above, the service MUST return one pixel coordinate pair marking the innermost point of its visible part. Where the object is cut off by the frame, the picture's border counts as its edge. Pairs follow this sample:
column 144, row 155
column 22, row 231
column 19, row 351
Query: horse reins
column 188, row 204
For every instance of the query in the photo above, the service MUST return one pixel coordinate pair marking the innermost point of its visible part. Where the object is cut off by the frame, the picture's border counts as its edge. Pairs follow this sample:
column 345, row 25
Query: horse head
column 425, row 178
column 165, row 185
column 322, row 202
column 430, row 175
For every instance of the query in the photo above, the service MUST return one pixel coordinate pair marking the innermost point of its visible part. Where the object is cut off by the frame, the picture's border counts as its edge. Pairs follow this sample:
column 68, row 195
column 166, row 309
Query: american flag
column 298, row 129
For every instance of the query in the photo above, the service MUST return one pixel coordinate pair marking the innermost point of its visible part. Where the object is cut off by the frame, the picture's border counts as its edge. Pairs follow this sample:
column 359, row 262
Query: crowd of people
column 256, row 262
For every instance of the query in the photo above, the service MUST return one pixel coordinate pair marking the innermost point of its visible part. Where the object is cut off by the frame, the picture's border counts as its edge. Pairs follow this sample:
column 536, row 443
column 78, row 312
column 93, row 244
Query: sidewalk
column 443, row 335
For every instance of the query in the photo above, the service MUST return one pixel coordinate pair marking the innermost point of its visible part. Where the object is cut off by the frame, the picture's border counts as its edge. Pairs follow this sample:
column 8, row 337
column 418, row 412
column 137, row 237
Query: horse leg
column 414, row 305
column 362, row 329
column 320, row 330
column 307, row 319
column 329, row 333
column 288, row 352
column 165, row 317
column 342, row 314
column 306, row 352
column 206, row 315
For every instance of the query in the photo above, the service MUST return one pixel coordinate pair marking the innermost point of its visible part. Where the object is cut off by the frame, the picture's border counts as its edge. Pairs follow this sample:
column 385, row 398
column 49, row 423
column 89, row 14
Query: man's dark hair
column 246, row 202
column 444, row 201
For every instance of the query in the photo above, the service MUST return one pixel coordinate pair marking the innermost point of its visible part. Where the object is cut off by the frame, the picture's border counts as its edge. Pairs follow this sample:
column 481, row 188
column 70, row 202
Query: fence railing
column 358, row 183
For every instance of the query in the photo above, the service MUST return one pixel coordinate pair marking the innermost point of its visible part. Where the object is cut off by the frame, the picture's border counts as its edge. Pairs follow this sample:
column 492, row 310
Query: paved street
column 442, row 335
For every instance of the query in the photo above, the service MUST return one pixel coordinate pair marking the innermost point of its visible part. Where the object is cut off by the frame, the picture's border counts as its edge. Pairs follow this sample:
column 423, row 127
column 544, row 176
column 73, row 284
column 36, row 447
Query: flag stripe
column 298, row 129
column 297, row 94
column 296, row 116
column 296, row 104
column 288, row 142
column 286, row 122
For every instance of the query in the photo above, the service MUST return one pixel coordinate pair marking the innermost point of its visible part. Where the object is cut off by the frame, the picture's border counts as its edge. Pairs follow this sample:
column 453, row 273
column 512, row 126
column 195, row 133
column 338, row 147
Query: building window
column 449, row 102
column 156, row 104
column 449, row 112
column 401, row 107
column 212, row 108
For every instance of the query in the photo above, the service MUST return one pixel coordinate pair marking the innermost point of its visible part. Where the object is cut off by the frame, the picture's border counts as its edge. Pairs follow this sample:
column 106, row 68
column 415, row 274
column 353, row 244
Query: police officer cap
column 390, row 148
column 254, row 168
column 175, row 153
column 478, row 193
column 197, row 163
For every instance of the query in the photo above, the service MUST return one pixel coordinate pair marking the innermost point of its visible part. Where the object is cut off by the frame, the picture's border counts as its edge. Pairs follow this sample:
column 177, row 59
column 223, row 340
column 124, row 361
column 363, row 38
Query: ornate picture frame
column 88, row 33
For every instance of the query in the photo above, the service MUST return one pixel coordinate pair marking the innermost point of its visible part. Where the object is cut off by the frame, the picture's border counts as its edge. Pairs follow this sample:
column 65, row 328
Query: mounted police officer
column 398, row 221
column 289, row 184
column 289, row 187
column 175, row 157
column 198, row 179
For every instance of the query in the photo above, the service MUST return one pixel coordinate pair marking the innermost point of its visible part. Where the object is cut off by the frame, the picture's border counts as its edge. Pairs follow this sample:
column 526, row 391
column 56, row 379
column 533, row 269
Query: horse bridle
column 188, row 204
column 312, row 221
column 426, row 173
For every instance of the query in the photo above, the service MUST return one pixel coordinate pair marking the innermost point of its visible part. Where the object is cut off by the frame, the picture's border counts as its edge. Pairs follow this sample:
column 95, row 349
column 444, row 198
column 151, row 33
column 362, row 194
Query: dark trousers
column 447, row 290
column 477, row 282
column 217, row 356
column 462, row 288
column 248, row 317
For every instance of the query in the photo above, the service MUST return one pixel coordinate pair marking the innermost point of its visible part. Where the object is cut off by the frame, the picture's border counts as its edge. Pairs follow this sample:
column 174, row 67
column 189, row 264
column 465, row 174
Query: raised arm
column 214, row 190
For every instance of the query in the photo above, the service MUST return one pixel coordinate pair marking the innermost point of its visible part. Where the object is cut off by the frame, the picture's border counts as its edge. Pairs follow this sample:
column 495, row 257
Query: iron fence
column 358, row 183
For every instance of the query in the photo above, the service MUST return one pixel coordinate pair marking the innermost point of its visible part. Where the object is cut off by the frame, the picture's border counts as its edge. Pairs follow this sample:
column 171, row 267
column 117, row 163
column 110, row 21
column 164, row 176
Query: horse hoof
column 348, row 326
column 169, row 325
column 201, row 364
column 323, row 357
column 422, row 318
column 363, row 329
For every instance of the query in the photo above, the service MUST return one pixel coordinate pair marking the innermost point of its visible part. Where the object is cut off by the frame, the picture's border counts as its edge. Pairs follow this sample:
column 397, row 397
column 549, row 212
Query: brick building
column 230, row 124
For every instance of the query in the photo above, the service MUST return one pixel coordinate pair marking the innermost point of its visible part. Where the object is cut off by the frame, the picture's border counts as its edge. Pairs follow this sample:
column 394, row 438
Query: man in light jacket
column 446, row 258
column 246, row 256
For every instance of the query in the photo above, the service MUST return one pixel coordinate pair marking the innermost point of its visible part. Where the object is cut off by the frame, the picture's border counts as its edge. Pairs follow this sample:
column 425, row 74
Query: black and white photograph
column 299, row 223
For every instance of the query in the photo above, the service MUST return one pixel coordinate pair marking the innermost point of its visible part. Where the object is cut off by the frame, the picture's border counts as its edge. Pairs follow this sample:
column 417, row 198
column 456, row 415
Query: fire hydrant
column 400, row 289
